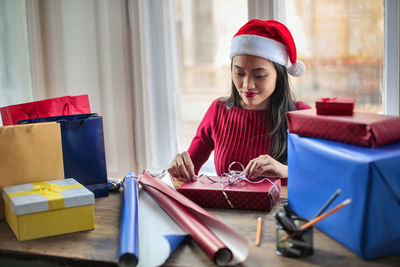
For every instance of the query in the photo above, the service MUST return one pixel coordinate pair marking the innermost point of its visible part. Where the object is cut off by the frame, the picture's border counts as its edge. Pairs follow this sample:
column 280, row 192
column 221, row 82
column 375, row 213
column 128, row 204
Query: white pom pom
column 297, row 69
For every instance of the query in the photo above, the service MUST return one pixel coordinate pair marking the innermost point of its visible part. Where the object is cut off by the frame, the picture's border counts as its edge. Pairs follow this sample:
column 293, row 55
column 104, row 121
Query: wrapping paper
column 30, row 153
column 129, row 237
column 66, row 105
column 146, row 231
column 242, row 195
column 369, row 226
column 48, row 208
column 335, row 106
column 83, row 149
column 159, row 234
column 221, row 243
column 363, row 129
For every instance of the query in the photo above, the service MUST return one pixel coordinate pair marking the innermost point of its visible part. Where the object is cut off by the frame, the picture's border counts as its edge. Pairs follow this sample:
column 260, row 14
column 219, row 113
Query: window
column 205, row 29
column 342, row 44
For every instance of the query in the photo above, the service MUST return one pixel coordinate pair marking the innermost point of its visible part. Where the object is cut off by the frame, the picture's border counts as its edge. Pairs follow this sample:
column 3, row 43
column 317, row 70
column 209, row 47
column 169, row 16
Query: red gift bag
column 66, row 105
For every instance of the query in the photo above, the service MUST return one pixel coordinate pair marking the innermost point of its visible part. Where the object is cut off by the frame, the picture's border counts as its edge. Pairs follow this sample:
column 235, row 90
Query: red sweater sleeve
column 301, row 105
column 203, row 144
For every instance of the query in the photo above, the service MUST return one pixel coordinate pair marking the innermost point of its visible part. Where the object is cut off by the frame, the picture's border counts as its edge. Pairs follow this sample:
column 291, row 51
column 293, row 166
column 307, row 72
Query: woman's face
column 255, row 80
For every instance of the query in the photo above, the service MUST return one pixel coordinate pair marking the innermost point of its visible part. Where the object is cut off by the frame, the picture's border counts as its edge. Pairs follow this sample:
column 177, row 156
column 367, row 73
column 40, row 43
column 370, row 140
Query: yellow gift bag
column 30, row 153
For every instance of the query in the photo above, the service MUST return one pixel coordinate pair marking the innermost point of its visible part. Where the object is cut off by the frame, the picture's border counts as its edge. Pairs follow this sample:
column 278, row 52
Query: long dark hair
column 281, row 101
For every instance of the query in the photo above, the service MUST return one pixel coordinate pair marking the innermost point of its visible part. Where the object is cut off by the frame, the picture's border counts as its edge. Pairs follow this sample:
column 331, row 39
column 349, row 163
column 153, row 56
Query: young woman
column 250, row 126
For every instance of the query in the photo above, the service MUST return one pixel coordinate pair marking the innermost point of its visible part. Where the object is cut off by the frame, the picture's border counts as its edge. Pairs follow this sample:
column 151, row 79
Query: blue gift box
column 370, row 225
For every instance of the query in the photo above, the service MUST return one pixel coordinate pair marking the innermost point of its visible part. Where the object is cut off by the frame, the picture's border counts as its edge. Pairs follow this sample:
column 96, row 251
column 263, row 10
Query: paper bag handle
column 30, row 128
column 34, row 110
column 66, row 105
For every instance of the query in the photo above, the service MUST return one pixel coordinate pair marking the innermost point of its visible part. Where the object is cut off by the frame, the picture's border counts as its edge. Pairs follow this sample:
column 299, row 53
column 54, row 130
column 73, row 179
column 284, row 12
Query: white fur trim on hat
column 296, row 69
column 248, row 44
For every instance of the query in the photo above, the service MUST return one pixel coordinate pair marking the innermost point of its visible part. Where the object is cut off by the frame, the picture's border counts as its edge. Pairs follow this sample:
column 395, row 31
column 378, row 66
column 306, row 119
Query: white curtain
column 86, row 48
column 15, row 76
column 80, row 47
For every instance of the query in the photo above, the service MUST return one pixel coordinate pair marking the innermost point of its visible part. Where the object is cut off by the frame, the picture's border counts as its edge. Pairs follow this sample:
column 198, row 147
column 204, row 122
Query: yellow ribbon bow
column 50, row 191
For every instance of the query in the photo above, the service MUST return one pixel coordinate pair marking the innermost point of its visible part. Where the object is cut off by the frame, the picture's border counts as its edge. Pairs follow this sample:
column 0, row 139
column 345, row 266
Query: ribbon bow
column 44, row 189
column 328, row 99
column 50, row 191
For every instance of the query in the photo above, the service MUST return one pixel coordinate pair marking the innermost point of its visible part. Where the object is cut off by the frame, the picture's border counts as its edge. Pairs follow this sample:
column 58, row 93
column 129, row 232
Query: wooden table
column 100, row 246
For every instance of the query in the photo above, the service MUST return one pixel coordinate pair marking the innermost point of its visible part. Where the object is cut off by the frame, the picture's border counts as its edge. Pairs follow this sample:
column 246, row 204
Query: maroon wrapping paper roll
column 170, row 201
column 210, row 243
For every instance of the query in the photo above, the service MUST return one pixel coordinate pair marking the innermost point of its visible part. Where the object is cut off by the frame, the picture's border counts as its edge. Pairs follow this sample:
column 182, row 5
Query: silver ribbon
column 234, row 177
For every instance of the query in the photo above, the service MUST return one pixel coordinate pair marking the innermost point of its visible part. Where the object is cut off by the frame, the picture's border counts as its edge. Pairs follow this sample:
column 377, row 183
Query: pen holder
column 298, row 245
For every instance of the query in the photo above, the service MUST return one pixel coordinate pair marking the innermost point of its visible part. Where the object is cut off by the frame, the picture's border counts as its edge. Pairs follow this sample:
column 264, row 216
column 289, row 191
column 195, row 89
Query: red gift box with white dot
column 363, row 129
column 210, row 193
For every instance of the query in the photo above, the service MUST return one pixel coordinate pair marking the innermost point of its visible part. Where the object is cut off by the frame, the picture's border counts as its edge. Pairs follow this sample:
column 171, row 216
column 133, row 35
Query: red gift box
column 335, row 106
column 242, row 195
column 363, row 129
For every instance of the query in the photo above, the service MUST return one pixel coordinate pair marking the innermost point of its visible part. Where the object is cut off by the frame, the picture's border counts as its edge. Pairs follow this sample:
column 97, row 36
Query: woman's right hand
column 182, row 168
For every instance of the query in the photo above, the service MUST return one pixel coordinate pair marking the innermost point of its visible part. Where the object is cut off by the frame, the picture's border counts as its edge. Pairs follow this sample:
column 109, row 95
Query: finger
column 189, row 165
column 175, row 168
column 253, row 169
column 182, row 168
column 262, row 171
column 248, row 168
column 173, row 173
column 269, row 171
column 254, row 164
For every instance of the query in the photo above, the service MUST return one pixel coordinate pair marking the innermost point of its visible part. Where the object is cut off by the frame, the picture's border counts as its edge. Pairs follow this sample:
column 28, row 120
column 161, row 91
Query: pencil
column 258, row 236
column 326, row 205
column 319, row 218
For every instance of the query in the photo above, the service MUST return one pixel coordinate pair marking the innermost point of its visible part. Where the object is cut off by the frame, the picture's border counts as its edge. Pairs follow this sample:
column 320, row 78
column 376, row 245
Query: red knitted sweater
column 234, row 134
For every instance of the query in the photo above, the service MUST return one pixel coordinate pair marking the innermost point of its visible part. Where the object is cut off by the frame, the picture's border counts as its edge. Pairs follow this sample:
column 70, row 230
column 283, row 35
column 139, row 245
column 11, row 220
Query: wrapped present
column 335, row 106
column 363, row 129
column 208, row 192
column 369, row 226
column 48, row 208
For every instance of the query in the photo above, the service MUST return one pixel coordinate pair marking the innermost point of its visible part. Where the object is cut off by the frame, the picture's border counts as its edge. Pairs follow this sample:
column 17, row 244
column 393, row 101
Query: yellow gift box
column 49, row 208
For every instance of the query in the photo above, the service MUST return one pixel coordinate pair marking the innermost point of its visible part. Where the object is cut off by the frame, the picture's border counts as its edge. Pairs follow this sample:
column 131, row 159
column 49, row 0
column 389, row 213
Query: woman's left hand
column 265, row 166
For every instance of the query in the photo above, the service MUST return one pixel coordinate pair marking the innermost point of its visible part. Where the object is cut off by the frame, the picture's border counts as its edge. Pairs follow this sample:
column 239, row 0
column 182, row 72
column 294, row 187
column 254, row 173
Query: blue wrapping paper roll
column 129, row 239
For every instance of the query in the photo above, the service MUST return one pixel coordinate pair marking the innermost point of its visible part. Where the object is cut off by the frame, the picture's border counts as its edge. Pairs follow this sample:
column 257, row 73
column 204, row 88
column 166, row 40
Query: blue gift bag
column 83, row 149
column 370, row 224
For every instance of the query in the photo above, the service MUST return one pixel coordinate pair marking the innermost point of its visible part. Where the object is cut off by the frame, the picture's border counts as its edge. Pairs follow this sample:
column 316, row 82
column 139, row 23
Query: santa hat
column 268, row 39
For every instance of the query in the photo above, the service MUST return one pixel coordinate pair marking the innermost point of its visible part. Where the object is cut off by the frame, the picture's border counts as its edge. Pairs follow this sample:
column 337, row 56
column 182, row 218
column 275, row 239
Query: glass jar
column 299, row 244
